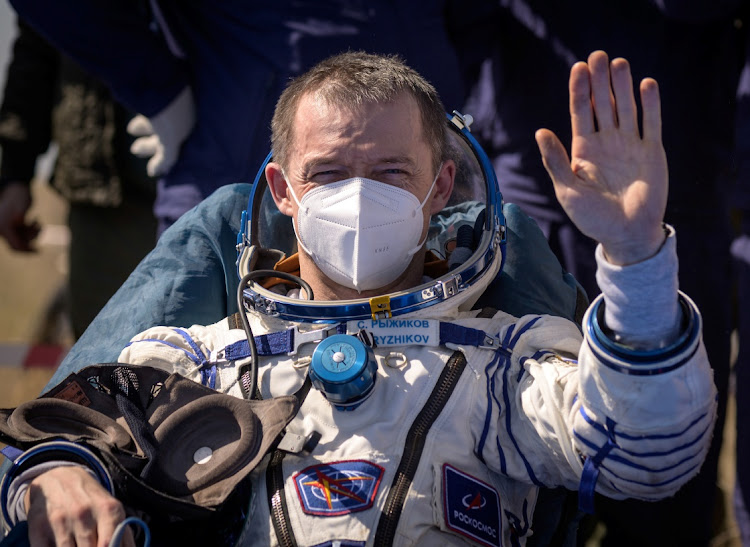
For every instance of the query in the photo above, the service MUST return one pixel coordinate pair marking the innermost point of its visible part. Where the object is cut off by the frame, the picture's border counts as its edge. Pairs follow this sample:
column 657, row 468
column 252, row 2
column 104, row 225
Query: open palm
column 614, row 185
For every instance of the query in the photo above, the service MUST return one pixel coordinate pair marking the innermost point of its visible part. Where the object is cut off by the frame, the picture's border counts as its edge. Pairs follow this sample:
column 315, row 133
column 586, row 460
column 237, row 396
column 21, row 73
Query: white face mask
column 361, row 233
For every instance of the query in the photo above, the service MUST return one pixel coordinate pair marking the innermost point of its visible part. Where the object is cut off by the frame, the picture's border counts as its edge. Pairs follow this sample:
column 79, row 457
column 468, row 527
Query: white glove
column 161, row 136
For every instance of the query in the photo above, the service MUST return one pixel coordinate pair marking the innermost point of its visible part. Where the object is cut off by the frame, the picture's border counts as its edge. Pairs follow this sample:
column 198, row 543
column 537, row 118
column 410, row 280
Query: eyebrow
column 328, row 160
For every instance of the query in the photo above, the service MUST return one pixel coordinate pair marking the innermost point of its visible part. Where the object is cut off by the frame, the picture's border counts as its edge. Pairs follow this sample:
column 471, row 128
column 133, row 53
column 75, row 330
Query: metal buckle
column 450, row 287
column 491, row 342
column 301, row 338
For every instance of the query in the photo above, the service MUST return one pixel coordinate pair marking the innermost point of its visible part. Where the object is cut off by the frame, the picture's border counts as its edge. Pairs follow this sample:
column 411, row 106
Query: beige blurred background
column 32, row 298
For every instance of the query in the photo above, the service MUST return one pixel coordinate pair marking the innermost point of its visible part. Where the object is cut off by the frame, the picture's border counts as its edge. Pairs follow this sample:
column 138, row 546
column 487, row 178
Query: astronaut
column 421, row 420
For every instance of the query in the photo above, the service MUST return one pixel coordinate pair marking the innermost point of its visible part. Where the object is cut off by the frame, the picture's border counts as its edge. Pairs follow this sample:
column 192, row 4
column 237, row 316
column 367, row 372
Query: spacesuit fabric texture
column 545, row 408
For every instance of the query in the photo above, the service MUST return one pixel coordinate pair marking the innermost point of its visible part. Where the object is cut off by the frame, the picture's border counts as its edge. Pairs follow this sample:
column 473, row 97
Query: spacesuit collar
column 448, row 309
column 434, row 267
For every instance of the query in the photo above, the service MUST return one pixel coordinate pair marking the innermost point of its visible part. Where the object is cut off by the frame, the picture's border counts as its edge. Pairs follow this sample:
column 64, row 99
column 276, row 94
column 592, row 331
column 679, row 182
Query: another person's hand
column 614, row 185
column 67, row 506
column 160, row 137
column 15, row 201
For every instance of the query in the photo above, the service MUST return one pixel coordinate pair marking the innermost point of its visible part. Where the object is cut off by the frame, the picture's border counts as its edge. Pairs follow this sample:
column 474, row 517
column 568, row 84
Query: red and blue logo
column 338, row 488
column 472, row 507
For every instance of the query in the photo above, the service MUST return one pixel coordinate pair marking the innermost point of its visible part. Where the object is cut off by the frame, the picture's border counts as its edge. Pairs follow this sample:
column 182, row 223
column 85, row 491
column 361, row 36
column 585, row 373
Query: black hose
column 252, row 366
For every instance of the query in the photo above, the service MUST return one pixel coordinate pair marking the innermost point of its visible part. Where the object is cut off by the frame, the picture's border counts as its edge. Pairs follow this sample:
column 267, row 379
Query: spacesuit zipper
column 415, row 441
column 276, row 501
column 275, row 485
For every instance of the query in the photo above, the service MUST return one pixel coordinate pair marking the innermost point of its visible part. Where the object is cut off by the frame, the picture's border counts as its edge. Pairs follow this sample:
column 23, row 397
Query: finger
column 128, row 539
column 85, row 534
column 155, row 166
column 110, row 513
column 122, row 535
column 59, row 533
column 601, row 90
column 145, row 147
column 139, row 126
column 622, row 85
column 80, row 521
column 554, row 157
column 581, row 112
column 651, row 103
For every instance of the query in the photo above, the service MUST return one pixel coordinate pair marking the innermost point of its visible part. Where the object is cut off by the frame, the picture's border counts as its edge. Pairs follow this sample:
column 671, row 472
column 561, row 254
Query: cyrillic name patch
column 472, row 507
column 399, row 332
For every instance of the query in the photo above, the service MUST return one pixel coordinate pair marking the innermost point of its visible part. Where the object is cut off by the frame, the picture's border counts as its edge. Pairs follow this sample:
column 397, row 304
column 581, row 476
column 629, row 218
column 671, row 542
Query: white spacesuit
column 460, row 427
column 425, row 418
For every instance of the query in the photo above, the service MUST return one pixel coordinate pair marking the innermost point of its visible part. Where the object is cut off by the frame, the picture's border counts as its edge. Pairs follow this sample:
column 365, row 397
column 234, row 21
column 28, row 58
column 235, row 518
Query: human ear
column 279, row 189
column 443, row 186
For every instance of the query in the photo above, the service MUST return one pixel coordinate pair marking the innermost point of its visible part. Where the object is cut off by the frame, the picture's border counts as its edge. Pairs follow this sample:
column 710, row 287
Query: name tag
column 399, row 332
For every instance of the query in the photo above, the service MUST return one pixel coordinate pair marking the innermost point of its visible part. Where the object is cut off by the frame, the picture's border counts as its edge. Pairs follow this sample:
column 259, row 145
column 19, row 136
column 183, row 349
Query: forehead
column 368, row 130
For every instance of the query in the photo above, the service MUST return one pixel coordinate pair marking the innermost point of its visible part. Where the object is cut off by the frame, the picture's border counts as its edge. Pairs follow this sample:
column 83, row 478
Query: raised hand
column 614, row 185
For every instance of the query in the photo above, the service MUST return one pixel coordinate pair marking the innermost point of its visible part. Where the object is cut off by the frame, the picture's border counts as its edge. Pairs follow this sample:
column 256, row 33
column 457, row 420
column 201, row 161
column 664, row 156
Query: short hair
column 353, row 79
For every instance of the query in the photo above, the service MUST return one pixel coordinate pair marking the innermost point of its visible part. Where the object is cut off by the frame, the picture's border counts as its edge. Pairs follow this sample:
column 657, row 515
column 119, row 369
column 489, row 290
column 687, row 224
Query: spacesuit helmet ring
column 468, row 234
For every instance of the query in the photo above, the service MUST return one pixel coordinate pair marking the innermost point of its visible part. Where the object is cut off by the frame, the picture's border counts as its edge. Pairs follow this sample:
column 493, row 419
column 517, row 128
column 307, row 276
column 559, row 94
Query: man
column 449, row 442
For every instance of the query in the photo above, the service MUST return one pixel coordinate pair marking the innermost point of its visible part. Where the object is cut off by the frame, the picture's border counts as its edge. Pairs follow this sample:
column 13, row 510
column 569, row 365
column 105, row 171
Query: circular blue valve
column 344, row 369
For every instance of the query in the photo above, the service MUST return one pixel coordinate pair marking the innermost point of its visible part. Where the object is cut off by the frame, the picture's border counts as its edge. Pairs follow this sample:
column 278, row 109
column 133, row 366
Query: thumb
column 554, row 157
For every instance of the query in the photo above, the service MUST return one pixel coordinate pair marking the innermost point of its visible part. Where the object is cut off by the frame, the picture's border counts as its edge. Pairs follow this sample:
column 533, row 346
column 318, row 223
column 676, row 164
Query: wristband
column 644, row 362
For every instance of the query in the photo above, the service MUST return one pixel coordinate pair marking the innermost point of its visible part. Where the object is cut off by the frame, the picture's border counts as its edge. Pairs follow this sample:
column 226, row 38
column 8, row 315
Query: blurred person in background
column 48, row 98
column 740, row 199
column 206, row 75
